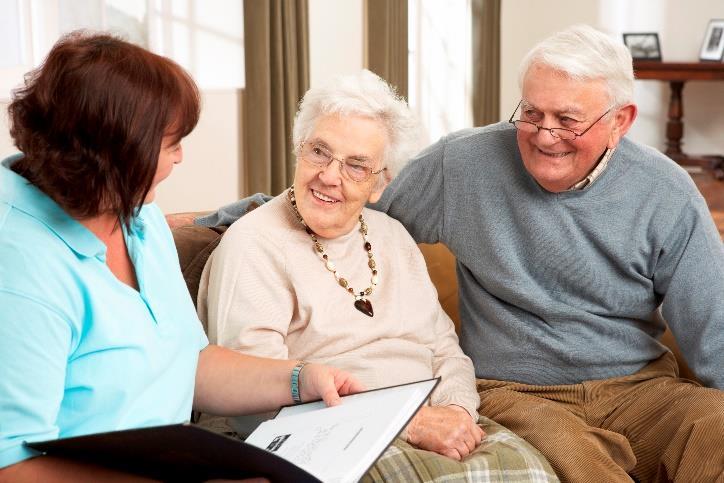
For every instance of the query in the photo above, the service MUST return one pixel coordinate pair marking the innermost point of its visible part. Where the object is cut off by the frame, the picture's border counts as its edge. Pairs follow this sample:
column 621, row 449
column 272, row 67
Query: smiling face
column 329, row 202
column 552, row 99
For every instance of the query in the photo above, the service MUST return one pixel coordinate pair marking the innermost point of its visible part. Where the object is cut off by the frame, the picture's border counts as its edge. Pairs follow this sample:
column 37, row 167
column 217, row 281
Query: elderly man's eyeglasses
column 355, row 169
column 556, row 132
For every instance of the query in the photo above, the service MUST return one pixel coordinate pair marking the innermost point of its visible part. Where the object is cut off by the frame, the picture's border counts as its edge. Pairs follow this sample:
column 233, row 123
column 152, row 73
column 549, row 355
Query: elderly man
column 568, row 236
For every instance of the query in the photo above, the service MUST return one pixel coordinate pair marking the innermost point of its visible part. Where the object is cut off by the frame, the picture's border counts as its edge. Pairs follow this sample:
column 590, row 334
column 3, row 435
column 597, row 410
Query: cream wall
column 681, row 27
column 6, row 144
column 336, row 34
column 211, row 173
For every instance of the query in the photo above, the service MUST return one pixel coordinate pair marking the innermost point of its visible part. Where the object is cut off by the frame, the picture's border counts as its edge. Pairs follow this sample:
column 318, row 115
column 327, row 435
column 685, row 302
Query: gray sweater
column 560, row 288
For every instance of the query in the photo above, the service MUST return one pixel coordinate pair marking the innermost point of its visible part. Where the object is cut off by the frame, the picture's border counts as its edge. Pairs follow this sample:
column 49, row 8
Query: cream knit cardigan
column 264, row 291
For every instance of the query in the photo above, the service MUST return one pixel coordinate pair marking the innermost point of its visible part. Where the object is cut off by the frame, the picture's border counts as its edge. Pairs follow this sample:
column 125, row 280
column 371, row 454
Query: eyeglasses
column 355, row 169
column 556, row 132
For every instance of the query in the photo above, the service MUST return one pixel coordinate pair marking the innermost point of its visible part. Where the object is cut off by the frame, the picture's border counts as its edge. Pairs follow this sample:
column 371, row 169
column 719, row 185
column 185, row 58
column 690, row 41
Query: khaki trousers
column 651, row 425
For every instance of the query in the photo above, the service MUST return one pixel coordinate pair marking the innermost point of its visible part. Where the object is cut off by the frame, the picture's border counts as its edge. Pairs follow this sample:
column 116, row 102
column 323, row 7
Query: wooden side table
column 677, row 73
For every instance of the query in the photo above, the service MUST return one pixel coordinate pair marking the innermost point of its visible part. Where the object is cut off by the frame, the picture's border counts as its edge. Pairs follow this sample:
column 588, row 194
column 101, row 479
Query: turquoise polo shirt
column 80, row 351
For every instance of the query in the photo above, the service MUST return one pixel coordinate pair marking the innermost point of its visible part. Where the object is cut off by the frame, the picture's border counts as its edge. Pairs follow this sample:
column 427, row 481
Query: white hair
column 366, row 95
column 583, row 53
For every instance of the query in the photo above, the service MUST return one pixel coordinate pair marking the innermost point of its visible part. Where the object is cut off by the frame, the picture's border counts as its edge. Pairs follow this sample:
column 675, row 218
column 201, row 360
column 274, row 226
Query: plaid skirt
column 502, row 457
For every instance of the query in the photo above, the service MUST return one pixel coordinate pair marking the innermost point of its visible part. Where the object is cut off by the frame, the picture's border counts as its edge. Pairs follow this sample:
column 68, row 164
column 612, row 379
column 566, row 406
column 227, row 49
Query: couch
column 195, row 244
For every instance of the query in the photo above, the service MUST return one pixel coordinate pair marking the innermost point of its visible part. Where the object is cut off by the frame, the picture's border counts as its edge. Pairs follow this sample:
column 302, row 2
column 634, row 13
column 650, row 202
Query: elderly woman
column 97, row 329
column 315, row 276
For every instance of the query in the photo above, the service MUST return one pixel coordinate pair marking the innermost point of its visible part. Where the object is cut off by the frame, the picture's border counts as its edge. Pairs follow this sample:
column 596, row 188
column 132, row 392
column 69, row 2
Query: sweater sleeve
column 249, row 300
column 415, row 196
column 690, row 277
column 457, row 376
column 455, row 369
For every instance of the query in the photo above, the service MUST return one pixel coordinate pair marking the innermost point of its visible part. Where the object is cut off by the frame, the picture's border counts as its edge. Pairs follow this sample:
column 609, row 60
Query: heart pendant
column 364, row 306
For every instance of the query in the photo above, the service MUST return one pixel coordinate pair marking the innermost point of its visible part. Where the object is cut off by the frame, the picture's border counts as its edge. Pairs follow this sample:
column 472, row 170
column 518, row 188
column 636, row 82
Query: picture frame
column 712, row 48
column 643, row 45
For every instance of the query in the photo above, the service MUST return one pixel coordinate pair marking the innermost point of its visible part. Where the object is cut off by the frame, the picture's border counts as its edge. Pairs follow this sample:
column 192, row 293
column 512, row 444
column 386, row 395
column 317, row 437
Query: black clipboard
column 177, row 452
column 185, row 452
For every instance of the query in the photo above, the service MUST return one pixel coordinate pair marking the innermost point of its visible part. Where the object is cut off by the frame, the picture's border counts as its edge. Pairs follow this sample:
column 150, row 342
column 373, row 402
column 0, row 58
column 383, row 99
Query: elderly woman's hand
column 326, row 382
column 448, row 430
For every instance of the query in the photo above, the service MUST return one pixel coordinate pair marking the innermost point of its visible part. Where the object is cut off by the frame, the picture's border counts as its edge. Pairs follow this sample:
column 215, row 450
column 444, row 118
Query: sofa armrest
column 194, row 245
column 441, row 266
column 177, row 220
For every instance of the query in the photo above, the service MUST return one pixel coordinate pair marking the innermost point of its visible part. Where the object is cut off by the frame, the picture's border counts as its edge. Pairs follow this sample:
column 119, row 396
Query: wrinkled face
column 171, row 153
column 329, row 202
column 551, row 99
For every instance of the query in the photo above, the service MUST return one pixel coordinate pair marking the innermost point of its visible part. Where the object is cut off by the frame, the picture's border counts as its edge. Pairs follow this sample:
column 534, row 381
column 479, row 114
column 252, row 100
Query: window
column 440, row 70
column 207, row 38
column 204, row 37
column 16, row 56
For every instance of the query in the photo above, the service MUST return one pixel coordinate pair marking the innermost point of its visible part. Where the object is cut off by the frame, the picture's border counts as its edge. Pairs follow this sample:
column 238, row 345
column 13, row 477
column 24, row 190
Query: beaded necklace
column 361, row 302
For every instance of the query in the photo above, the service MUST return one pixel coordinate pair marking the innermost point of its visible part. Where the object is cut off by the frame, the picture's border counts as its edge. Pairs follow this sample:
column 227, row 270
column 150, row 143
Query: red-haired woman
column 97, row 329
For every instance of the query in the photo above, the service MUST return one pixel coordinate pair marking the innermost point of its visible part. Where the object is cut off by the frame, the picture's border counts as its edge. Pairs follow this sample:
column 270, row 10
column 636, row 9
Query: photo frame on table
column 712, row 49
column 643, row 46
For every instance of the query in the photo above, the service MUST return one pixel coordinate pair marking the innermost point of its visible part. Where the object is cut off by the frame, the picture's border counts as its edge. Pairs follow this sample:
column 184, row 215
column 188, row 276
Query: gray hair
column 367, row 95
column 583, row 53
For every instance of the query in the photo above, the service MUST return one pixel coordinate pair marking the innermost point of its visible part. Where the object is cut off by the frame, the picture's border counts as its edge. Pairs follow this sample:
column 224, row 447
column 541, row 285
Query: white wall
column 336, row 36
column 681, row 27
column 6, row 144
column 211, row 173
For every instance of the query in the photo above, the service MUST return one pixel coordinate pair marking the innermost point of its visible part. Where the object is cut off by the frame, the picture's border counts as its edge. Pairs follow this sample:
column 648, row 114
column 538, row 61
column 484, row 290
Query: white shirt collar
column 593, row 175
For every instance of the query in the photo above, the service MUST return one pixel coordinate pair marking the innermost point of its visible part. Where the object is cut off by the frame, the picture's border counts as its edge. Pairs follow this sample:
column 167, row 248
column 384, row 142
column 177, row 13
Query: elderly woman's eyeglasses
column 556, row 132
column 356, row 169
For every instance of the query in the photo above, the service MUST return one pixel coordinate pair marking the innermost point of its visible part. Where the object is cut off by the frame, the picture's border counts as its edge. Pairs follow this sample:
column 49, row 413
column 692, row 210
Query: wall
column 336, row 35
column 6, row 144
column 211, row 174
column 681, row 27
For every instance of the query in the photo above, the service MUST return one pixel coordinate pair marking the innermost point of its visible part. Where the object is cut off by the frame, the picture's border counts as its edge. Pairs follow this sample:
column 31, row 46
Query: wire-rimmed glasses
column 356, row 169
column 556, row 132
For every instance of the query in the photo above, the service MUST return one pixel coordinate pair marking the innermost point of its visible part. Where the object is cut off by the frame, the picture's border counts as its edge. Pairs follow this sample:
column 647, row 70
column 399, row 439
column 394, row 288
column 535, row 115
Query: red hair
column 91, row 119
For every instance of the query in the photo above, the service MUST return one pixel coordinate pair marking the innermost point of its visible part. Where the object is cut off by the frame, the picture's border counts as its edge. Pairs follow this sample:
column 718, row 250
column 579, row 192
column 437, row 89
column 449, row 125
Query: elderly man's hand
column 326, row 382
column 448, row 430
